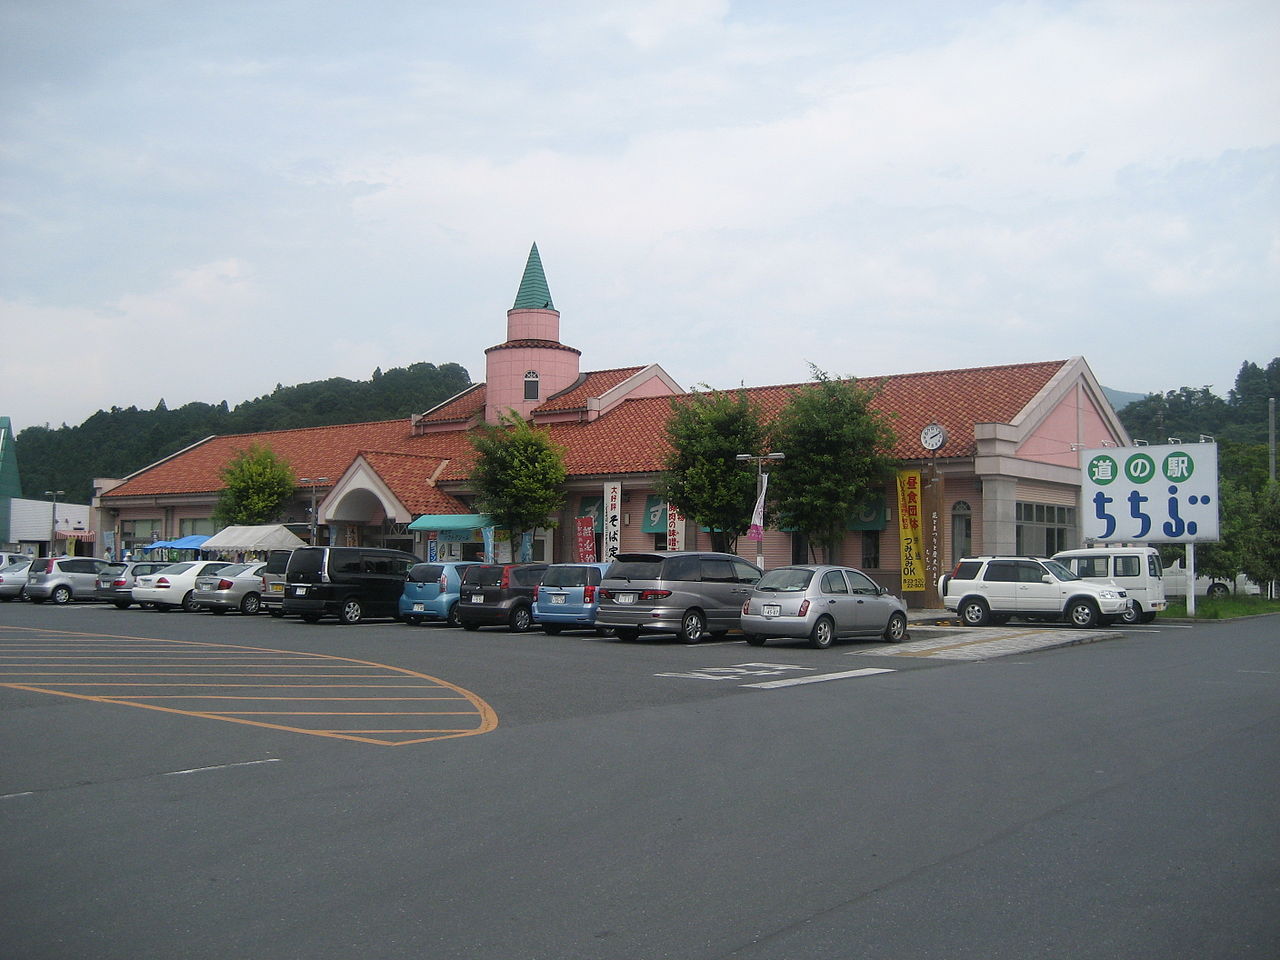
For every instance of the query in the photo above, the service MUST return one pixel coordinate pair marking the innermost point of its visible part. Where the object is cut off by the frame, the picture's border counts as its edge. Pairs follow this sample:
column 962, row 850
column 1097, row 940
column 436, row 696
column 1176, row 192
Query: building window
column 195, row 527
column 1044, row 528
column 531, row 385
column 800, row 547
column 871, row 549
column 961, row 531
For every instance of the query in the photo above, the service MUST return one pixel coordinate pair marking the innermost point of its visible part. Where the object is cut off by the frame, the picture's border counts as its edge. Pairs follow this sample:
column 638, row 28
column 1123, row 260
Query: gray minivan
column 349, row 583
column 688, row 593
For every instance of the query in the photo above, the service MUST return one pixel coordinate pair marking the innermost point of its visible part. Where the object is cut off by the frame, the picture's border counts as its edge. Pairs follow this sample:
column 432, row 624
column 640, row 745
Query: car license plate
column 276, row 587
column 419, row 607
column 625, row 597
column 299, row 591
column 557, row 598
column 771, row 609
column 477, row 598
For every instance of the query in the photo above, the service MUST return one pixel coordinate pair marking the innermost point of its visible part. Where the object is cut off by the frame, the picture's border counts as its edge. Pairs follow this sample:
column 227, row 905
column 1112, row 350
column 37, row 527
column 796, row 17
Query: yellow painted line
column 484, row 716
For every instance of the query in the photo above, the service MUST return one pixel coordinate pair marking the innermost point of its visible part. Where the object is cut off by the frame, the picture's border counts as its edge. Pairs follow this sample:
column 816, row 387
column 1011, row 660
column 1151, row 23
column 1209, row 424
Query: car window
column 785, row 580
column 1128, row 566
column 833, row 582
column 745, row 572
column 483, row 575
column 528, row 576
column 175, row 568
column 1031, row 572
column 1001, row 571
column 717, row 571
column 967, row 569
column 234, row 570
column 682, row 568
column 1089, row 566
column 639, row 568
column 1059, row 570
column 1153, row 565
column 344, row 561
column 569, row 576
column 425, row 572
column 860, row 583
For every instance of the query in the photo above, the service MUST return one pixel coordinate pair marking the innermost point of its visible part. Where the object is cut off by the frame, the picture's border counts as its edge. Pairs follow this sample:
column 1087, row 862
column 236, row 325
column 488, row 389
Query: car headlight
column 1109, row 595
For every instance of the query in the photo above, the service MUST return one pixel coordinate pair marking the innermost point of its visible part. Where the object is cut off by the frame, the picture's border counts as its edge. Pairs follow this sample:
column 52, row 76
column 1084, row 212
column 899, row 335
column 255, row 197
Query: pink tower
column 532, row 364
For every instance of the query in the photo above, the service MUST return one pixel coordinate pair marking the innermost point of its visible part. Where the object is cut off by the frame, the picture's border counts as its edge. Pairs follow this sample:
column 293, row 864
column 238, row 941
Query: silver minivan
column 692, row 594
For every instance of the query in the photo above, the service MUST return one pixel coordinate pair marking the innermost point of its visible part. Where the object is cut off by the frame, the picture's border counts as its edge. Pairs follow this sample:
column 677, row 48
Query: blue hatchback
column 431, row 592
column 567, row 596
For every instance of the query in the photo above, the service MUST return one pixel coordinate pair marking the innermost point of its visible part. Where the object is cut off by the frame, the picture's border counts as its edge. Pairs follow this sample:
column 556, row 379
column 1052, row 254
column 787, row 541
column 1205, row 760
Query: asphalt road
column 527, row 796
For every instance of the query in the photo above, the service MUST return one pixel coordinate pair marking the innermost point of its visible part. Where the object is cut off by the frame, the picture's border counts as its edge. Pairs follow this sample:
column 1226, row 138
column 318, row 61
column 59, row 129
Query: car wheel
column 693, row 627
column 822, row 634
column 61, row 595
column 552, row 628
column 1218, row 591
column 189, row 602
column 452, row 618
column 351, row 611
column 1149, row 616
column 1082, row 613
column 896, row 629
column 251, row 604
column 974, row 613
column 1133, row 614
column 629, row 634
column 521, row 619
column 755, row 639
column 122, row 604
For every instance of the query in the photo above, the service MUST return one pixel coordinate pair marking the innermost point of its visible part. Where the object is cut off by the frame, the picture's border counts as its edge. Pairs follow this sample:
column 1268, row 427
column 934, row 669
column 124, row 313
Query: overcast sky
column 201, row 200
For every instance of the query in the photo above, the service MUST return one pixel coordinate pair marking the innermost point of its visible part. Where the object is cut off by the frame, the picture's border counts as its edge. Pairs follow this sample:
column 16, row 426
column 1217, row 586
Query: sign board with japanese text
column 675, row 528
column 909, row 532
column 585, row 539
column 1164, row 494
column 611, row 535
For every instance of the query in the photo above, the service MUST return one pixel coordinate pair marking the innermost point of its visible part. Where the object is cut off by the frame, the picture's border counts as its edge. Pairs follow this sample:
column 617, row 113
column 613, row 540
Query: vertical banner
column 675, row 528
column 909, row 534
column 585, row 538
column 611, row 537
column 433, row 548
column 487, row 533
column 756, row 530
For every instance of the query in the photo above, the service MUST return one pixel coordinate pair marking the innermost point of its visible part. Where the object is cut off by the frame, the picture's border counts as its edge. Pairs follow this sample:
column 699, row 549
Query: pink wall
column 1075, row 420
column 504, row 377
column 533, row 325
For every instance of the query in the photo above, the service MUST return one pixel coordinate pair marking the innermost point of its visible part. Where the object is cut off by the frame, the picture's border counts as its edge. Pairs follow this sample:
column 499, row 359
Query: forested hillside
column 116, row 442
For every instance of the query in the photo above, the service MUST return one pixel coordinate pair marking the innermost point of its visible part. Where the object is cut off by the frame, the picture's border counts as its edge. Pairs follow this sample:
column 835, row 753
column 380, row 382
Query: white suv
column 992, row 589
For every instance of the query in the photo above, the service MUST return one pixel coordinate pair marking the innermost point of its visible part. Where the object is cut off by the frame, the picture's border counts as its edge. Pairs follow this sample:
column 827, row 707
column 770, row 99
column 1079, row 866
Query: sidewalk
column 938, row 634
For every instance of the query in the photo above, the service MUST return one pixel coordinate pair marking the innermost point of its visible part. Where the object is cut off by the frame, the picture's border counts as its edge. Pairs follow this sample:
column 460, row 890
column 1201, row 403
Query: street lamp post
column 53, row 519
column 313, row 482
column 760, row 462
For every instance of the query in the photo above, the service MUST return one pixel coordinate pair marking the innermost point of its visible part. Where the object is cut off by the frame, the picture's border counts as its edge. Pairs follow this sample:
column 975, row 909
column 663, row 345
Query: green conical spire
column 534, row 293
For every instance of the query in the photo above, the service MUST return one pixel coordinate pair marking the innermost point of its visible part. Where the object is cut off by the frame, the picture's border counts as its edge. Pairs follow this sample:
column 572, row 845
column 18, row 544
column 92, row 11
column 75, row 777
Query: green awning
column 655, row 515
column 874, row 515
column 451, row 521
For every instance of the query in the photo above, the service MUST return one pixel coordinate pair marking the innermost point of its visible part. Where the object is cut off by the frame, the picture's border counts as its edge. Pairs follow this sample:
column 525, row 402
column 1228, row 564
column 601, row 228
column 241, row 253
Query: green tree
column 706, row 432
column 837, row 451
column 1224, row 559
column 519, row 474
column 1260, row 558
column 258, row 485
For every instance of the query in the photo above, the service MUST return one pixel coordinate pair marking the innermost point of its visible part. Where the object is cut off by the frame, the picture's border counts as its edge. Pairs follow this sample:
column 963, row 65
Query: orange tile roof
column 409, row 477
column 464, row 406
column 629, row 439
column 591, row 385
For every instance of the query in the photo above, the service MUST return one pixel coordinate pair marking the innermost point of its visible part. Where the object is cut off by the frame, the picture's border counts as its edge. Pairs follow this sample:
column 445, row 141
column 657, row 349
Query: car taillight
column 443, row 582
column 535, row 591
column 804, row 608
column 120, row 583
column 505, row 582
column 225, row 584
column 654, row 594
column 588, row 594
column 162, row 582
column 745, row 604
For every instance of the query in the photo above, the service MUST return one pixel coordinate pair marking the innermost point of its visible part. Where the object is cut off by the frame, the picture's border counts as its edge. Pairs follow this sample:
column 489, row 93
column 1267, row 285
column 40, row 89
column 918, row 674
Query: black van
column 350, row 583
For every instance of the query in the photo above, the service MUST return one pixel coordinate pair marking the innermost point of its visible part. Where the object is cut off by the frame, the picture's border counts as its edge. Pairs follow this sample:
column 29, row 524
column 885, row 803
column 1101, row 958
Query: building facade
column 1000, row 471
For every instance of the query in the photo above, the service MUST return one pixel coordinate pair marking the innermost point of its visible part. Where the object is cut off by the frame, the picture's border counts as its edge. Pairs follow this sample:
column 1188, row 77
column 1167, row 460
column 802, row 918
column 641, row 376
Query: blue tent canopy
column 193, row 542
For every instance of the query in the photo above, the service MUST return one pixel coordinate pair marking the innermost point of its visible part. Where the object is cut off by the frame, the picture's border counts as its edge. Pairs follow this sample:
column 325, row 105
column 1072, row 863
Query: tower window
column 531, row 385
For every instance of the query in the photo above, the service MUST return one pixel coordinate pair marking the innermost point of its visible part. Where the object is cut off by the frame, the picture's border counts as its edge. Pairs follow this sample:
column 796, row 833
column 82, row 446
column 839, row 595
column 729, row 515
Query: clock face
column 933, row 436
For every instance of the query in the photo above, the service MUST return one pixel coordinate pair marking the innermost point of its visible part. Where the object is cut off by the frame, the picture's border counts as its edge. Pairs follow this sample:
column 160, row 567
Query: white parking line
column 221, row 766
column 819, row 678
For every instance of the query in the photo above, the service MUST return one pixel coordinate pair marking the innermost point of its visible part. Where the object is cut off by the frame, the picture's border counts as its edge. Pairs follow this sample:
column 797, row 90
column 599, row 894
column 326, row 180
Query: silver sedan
column 821, row 603
column 237, row 587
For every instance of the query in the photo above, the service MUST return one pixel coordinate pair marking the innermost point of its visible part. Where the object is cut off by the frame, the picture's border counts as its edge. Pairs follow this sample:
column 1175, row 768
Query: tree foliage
column 119, row 441
column 258, row 485
column 519, row 474
column 837, row 449
column 706, row 431
column 1188, row 412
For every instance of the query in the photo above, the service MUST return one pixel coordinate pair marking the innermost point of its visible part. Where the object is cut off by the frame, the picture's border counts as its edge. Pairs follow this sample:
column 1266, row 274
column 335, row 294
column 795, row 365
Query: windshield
column 570, row 576
column 1059, row 570
column 16, row 566
column 176, row 568
column 645, row 568
column 234, row 569
column 785, row 580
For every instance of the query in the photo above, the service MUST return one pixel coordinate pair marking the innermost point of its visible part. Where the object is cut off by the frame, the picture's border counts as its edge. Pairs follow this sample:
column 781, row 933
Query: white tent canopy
column 268, row 536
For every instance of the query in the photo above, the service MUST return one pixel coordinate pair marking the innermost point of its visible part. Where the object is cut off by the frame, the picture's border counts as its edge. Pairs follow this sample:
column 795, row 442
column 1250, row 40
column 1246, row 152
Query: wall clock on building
column 933, row 436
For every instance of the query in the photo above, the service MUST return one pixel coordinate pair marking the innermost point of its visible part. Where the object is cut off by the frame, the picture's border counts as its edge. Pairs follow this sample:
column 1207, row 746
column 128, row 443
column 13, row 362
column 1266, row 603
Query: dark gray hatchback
column 497, row 594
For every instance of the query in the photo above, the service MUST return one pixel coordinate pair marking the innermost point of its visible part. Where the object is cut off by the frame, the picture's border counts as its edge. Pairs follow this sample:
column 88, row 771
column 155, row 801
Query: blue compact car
column 567, row 596
column 431, row 592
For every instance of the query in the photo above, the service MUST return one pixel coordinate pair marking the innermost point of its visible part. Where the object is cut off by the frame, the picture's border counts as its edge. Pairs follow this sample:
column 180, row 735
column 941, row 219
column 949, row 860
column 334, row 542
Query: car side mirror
column 1045, row 578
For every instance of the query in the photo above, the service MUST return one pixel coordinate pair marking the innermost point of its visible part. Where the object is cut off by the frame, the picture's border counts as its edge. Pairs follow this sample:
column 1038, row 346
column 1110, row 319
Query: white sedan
column 174, row 585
